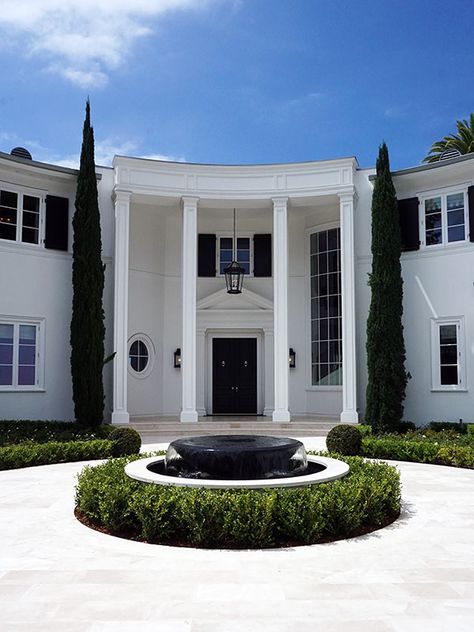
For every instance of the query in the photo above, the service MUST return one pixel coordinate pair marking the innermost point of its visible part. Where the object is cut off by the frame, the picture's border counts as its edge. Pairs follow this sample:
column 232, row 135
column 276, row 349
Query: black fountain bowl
column 235, row 457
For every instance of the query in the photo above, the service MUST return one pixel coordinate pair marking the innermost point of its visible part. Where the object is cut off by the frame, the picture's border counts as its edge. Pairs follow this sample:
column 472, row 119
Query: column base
column 120, row 417
column 281, row 415
column 349, row 417
column 188, row 416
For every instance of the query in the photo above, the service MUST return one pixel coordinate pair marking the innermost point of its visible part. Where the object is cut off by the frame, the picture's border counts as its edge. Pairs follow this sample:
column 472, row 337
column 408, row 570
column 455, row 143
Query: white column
column 201, row 377
column 188, row 284
column 269, row 362
column 280, row 308
column 349, row 386
column 122, row 221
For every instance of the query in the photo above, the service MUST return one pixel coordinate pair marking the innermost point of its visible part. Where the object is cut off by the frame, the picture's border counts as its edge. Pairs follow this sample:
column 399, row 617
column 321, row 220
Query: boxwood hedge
column 419, row 451
column 366, row 499
column 29, row 454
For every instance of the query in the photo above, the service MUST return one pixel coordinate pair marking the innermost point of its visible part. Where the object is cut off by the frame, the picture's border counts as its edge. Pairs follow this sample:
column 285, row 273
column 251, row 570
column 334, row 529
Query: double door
column 234, row 376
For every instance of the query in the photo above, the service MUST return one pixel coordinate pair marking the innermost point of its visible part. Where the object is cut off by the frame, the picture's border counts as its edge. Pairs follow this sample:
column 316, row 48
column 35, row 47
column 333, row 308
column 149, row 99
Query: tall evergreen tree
column 87, row 324
column 387, row 377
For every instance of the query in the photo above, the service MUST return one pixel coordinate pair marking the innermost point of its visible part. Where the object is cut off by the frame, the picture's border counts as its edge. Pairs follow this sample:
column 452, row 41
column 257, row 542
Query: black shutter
column 470, row 198
column 262, row 255
column 57, row 223
column 206, row 255
column 409, row 223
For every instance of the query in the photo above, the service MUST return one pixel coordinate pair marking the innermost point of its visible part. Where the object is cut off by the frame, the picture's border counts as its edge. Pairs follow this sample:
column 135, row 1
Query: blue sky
column 235, row 81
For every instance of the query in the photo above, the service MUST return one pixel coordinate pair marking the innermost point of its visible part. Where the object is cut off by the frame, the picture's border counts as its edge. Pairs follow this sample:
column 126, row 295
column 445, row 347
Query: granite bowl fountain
column 236, row 461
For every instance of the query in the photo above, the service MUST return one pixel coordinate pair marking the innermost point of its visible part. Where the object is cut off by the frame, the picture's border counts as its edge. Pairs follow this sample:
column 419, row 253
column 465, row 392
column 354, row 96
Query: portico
column 190, row 198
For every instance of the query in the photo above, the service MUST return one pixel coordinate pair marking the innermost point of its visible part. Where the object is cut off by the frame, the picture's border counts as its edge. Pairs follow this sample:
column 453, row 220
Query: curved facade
column 184, row 347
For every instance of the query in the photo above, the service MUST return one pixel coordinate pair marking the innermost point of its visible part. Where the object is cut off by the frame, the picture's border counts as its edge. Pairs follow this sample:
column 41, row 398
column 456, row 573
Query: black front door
column 234, row 376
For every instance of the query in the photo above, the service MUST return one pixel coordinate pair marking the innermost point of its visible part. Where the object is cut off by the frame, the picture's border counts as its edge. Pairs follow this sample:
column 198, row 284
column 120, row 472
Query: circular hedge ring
column 368, row 498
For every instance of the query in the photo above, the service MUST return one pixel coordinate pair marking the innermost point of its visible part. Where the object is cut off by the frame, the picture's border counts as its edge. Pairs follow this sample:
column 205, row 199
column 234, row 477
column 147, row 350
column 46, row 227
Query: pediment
column 248, row 300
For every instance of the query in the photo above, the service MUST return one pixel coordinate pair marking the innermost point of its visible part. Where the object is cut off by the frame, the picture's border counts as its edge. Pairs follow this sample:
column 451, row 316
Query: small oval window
column 138, row 356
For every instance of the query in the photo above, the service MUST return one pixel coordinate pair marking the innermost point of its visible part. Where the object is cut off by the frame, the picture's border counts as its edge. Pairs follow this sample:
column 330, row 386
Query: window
column 19, row 355
column 19, row 216
column 444, row 218
column 225, row 253
column 140, row 355
column 326, row 320
column 448, row 367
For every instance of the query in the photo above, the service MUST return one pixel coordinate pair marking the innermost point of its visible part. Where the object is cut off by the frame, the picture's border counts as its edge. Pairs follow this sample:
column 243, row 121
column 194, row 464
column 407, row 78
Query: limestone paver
column 417, row 574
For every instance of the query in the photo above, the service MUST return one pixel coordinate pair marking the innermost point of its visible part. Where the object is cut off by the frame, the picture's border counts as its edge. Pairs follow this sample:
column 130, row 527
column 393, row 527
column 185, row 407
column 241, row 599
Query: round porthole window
column 140, row 355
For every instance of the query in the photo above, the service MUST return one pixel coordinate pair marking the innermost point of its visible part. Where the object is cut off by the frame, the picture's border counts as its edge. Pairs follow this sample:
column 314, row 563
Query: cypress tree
column 87, row 324
column 387, row 377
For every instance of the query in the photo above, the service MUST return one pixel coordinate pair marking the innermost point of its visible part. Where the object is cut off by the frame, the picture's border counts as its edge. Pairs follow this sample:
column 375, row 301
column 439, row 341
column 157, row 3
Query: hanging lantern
column 234, row 273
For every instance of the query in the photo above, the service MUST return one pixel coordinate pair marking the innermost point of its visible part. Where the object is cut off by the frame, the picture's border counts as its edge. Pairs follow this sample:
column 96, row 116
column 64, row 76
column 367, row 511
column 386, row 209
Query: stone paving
column 56, row 574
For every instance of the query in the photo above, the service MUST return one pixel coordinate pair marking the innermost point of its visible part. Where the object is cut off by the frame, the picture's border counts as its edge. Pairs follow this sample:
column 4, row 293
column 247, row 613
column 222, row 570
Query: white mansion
column 292, row 343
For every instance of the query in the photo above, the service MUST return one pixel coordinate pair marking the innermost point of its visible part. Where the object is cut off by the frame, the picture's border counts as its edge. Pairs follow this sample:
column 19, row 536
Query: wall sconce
column 177, row 359
column 292, row 358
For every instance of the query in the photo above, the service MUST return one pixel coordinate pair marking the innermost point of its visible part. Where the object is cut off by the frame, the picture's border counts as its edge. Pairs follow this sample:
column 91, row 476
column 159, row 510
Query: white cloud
column 106, row 149
column 82, row 40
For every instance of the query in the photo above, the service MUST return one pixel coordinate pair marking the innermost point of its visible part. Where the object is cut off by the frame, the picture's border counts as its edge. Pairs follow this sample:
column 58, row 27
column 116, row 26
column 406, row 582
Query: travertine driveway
column 55, row 574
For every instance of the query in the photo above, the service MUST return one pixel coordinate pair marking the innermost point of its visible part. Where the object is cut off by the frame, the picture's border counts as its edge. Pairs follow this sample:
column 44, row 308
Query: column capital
column 121, row 195
column 346, row 197
column 189, row 201
column 280, row 202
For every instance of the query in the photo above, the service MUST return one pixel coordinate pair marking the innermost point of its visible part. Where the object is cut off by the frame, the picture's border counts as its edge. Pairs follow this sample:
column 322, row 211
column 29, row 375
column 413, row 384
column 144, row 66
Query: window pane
column 323, row 285
column 7, row 198
column 27, row 334
column 323, row 241
column 6, row 334
column 142, row 362
column 31, row 203
column 26, row 375
column 246, row 266
column 29, row 235
column 447, row 334
column 433, row 237
column 333, row 261
column 456, row 218
column 456, row 233
column 26, row 354
column 7, row 231
column 6, row 374
column 6, row 354
column 314, row 265
column 456, row 200
column 449, row 354
column 134, row 362
column 226, row 243
column 449, row 375
column 433, row 221
column 432, row 205
column 333, row 239
column 226, row 256
column 30, row 220
column 142, row 350
column 243, row 243
column 134, row 348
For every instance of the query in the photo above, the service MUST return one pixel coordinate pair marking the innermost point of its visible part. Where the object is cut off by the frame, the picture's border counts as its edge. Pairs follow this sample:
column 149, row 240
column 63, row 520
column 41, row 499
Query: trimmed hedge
column 30, row 454
column 400, row 449
column 127, row 441
column 13, row 432
column 344, row 439
column 366, row 499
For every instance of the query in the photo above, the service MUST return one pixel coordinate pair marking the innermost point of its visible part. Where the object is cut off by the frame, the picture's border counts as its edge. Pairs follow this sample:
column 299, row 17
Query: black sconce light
column 292, row 358
column 177, row 359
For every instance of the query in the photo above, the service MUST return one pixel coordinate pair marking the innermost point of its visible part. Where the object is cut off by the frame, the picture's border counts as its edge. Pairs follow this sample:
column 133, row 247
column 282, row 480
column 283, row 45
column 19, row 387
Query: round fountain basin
column 332, row 469
column 234, row 457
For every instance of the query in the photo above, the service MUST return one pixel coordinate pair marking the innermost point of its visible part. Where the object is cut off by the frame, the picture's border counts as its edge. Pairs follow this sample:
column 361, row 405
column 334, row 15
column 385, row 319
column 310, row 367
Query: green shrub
column 30, row 454
column 419, row 451
column 457, row 426
column 127, row 441
column 344, row 439
column 367, row 498
column 13, row 432
column 364, row 429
